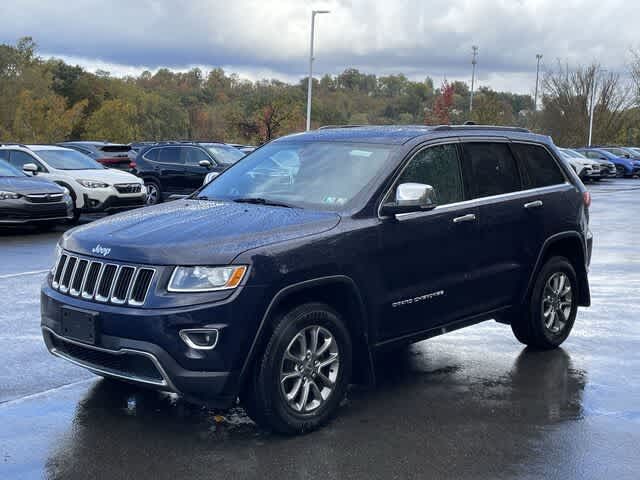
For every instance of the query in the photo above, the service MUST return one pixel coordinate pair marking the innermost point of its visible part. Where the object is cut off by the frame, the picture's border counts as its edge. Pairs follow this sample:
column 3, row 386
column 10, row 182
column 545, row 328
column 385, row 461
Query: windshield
column 319, row 175
column 68, row 160
column 575, row 154
column 7, row 170
column 224, row 153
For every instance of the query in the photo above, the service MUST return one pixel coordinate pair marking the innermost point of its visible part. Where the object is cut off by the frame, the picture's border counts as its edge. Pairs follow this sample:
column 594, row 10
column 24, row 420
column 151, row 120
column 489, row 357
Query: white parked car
column 93, row 187
column 583, row 166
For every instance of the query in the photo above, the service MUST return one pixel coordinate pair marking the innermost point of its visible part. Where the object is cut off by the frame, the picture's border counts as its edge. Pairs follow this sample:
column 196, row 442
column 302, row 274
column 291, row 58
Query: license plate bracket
column 79, row 325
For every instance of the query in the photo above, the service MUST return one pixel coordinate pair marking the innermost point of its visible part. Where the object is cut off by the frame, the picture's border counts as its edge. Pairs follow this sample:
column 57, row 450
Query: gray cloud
column 412, row 36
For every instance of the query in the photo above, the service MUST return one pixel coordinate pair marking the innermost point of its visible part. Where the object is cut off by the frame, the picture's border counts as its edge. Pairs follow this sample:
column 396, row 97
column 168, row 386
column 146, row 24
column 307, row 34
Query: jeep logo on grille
column 100, row 250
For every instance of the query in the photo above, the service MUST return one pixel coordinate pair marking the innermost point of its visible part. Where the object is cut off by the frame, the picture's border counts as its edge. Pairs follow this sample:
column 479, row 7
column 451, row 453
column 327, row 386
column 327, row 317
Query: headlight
column 206, row 279
column 92, row 184
column 9, row 195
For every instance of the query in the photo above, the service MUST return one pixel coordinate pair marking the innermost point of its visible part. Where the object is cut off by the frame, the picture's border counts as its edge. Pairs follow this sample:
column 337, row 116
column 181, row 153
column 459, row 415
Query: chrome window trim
column 477, row 202
column 166, row 382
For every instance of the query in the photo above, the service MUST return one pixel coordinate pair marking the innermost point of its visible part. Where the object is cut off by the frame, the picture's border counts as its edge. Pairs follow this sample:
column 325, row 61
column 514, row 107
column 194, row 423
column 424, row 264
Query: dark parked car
column 112, row 155
column 281, row 292
column 179, row 168
column 27, row 200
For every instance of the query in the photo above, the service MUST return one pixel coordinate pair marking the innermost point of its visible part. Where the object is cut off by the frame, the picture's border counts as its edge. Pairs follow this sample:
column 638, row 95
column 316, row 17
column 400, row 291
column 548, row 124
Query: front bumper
column 112, row 203
column 20, row 212
column 143, row 346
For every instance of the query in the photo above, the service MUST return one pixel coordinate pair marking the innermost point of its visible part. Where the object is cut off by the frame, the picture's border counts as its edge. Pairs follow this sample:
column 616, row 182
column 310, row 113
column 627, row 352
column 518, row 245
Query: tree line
column 48, row 100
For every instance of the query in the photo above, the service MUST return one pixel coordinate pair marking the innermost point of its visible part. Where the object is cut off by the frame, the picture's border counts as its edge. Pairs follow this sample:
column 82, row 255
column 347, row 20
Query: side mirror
column 31, row 168
column 210, row 176
column 411, row 197
column 205, row 163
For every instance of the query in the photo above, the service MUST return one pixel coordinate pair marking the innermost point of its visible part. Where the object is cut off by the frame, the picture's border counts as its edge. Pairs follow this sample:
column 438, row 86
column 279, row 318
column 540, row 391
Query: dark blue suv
column 278, row 282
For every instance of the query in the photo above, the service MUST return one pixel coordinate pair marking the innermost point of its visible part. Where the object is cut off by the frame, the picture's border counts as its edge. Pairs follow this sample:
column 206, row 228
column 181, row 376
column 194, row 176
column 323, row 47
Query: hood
column 193, row 232
column 28, row 185
column 106, row 175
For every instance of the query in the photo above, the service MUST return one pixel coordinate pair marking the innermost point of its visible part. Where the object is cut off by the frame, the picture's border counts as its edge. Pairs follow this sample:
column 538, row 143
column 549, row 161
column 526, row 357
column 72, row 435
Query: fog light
column 200, row 338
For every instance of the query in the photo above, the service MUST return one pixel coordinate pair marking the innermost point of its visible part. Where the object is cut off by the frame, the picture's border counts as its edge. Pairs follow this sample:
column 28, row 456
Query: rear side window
column 489, row 169
column 152, row 154
column 439, row 167
column 170, row 155
column 538, row 167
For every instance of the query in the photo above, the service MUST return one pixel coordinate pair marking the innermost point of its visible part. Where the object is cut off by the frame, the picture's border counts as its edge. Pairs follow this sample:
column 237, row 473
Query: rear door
column 170, row 168
column 546, row 195
column 493, row 180
column 426, row 258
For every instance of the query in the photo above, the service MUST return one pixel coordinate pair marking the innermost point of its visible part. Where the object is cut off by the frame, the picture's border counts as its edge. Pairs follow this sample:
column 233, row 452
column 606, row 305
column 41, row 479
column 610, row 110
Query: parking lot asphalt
column 470, row 404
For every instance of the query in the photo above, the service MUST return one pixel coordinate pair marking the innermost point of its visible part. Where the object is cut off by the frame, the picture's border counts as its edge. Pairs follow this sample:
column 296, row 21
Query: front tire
column 553, row 305
column 304, row 372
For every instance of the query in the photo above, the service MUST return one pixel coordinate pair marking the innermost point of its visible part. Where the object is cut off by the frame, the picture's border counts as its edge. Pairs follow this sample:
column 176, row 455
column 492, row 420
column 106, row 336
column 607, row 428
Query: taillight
column 132, row 165
column 586, row 198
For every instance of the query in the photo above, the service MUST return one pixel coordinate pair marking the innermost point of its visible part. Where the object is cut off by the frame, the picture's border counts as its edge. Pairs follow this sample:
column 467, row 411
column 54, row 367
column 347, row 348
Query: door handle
column 470, row 217
column 536, row 204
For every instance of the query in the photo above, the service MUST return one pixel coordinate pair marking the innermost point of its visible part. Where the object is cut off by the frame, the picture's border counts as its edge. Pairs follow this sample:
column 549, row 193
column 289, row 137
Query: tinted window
column 193, row 156
column 152, row 154
column 436, row 166
column 4, row 155
column 19, row 158
column 489, row 169
column 538, row 166
column 170, row 155
column 594, row 155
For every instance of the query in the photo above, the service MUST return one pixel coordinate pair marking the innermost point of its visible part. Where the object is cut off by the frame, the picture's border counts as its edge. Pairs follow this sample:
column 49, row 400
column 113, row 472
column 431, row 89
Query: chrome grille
column 128, row 187
column 44, row 197
column 102, row 281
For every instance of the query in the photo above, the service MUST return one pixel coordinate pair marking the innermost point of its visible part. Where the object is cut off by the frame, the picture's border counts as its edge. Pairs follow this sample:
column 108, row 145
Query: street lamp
column 474, row 61
column 535, row 98
column 310, row 80
column 593, row 93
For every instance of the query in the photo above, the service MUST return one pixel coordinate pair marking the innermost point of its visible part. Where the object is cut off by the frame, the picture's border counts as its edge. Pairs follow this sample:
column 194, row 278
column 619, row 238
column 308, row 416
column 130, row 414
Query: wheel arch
column 72, row 192
column 341, row 293
column 571, row 245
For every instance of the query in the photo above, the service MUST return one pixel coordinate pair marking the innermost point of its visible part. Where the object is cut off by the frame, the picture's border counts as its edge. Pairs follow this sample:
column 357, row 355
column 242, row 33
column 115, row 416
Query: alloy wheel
column 152, row 194
column 309, row 369
column 557, row 302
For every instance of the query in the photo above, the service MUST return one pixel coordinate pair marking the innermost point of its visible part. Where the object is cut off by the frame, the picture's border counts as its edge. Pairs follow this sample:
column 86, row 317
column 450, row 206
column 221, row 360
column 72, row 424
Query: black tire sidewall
column 284, row 418
column 544, row 338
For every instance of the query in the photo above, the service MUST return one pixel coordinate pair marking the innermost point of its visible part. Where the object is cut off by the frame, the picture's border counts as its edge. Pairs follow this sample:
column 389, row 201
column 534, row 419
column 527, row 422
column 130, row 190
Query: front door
column 426, row 258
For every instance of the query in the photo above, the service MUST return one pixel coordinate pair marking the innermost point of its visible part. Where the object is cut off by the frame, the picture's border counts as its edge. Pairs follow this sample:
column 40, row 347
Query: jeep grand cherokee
column 277, row 282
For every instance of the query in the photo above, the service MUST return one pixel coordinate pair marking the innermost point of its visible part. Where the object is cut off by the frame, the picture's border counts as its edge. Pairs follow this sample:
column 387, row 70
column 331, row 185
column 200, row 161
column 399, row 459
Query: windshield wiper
column 262, row 201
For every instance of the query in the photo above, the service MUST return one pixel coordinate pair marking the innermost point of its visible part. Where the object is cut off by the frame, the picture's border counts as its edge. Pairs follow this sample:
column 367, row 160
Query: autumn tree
column 441, row 112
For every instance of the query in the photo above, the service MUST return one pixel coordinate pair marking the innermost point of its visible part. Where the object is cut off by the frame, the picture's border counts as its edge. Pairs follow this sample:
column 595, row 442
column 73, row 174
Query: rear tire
column 553, row 304
column 298, row 383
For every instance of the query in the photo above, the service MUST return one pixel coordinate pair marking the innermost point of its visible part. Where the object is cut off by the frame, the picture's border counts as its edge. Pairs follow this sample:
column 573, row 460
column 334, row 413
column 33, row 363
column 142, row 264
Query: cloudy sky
column 270, row 38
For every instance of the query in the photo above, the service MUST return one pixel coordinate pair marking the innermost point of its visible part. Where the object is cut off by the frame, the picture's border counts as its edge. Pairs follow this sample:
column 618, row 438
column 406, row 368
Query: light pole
column 593, row 93
column 474, row 61
column 535, row 98
column 310, row 80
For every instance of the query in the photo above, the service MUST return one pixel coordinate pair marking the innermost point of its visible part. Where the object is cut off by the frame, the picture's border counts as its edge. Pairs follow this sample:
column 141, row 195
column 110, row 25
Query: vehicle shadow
column 422, row 417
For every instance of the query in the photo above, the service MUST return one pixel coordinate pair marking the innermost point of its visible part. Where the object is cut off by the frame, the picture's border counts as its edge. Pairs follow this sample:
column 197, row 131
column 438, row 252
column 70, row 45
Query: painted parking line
column 14, row 275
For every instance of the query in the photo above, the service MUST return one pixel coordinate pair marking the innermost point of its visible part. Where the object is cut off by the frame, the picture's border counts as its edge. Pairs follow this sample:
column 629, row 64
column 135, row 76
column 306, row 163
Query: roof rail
column 325, row 127
column 497, row 128
column 14, row 145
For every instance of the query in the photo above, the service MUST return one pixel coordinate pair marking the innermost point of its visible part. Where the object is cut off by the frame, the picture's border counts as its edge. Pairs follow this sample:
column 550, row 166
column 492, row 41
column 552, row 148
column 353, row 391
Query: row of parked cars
column 50, row 184
column 594, row 163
